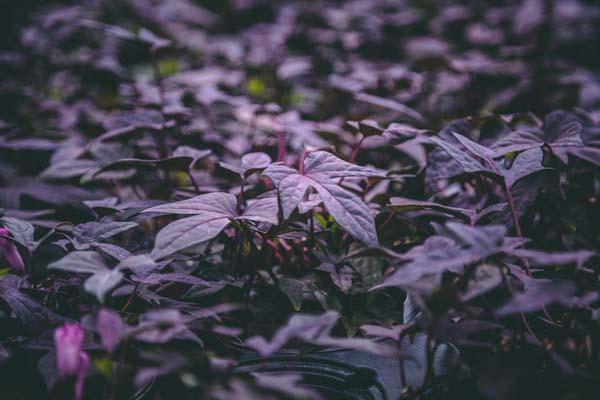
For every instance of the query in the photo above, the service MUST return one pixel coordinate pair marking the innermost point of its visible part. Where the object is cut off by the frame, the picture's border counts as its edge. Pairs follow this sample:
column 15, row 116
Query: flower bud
column 70, row 359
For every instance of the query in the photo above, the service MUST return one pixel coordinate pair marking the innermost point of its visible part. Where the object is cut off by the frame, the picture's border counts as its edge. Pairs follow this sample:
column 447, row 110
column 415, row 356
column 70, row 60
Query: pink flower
column 70, row 359
column 10, row 252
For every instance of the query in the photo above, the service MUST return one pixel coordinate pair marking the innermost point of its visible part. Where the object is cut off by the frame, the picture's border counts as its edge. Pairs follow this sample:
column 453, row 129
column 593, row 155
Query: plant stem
column 311, row 241
column 193, row 181
column 353, row 155
column 515, row 218
column 523, row 318
column 158, row 80
column 511, row 205
column 526, row 266
column 162, row 147
column 273, row 276
column 429, row 367
column 241, row 195
column 402, row 371
column 281, row 142
column 357, row 149
column 301, row 161
column 130, row 299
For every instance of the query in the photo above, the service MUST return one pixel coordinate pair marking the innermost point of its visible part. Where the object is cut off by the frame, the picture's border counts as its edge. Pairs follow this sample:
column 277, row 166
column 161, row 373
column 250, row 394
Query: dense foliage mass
column 184, row 183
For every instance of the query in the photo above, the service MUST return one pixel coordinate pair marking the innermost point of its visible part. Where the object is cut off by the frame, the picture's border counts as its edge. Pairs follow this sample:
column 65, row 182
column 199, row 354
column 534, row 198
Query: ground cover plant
column 186, row 184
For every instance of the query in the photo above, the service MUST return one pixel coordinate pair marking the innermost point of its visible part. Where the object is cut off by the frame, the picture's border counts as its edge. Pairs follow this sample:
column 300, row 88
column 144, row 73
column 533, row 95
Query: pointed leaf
column 294, row 290
column 292, row 190
column 21, row 231
column 264, row 209
column 215, row 205
column 467, row 163
column 526, row 163
column 277, row 172
column 254, row 162
column 88, row 262
column 97, row 231
column 402, row 204
column 349, row 211
column 187, row 232
column 111, row 328
column 322, row 166
column 102, row 282
column 476, row 149
column 194, row 154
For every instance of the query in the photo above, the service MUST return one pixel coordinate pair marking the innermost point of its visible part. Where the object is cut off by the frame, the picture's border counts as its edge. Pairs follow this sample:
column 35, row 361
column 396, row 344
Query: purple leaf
column 287, row 384
column 213, row 212
column 292, row 190
column 165, row 363
column 10, row 252
column 526, row 163
column 102, row 280
column 263, row 209
column 213, row 205
column 110, row 327
column 187, row 232
column 195, row 154
column 160, row 326
column 460, row 245
column 536, row 294
column 485, row 278
column 140, row 265
column 112, row 250
column 277, row 172
column 322, row 172
column 397, row 134
column 402, row 204
column 88, row 262
column 476, row 149
column 155, row 279
column 391, row 105
column 97, row 231
column 349, row 211
column 21, row 231
column 563, row 132
column 252, row 162
column 394, row 333
column 465, row 162
column 32, row 314
column 323, row 166
column 342, row 277
column 551, row 259
column 315, row 329
column 69, row 169
column 518, row 140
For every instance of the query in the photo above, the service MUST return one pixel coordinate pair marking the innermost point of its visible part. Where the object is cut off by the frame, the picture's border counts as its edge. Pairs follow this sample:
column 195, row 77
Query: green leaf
column 104, row 366
column 321, row 221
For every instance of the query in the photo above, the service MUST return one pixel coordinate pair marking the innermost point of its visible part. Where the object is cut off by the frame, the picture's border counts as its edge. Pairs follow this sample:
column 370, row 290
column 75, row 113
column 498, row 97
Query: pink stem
column 281, row 152
column 301, row 161
column 354, row 155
